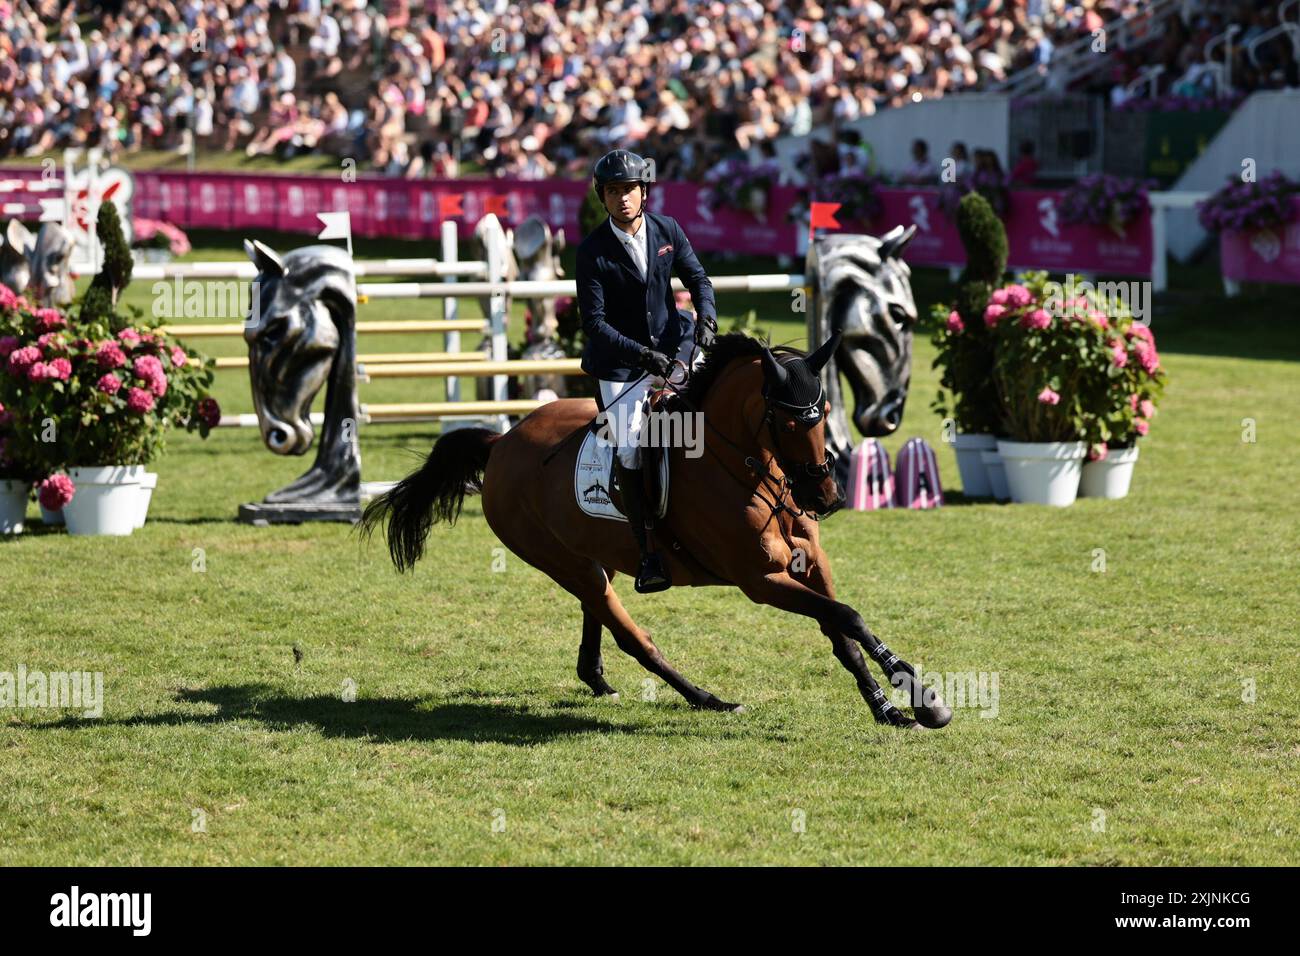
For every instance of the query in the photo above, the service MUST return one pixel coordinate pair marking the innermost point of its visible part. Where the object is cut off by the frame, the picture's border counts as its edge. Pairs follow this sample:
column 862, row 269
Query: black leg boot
column 652, row 576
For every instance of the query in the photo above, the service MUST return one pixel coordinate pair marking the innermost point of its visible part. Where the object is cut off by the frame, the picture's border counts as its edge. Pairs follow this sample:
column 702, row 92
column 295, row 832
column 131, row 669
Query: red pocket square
column 663, row 249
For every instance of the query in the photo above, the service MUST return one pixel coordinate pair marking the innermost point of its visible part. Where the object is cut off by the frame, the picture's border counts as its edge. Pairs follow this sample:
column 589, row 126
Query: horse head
column 796, row 412
column 302, row 335
column 16, row 248
column 537, row 258
column 862, row 291
column 51, row 262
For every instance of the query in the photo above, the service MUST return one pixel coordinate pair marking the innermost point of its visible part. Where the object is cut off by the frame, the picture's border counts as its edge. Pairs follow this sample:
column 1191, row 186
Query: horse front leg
column 844, row 626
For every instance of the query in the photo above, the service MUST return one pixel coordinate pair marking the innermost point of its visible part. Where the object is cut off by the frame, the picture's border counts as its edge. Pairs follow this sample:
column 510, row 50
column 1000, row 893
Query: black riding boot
column 653, row 576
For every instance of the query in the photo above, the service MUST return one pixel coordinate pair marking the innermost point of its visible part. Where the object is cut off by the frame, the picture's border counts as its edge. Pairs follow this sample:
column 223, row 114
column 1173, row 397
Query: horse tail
column 432, row 493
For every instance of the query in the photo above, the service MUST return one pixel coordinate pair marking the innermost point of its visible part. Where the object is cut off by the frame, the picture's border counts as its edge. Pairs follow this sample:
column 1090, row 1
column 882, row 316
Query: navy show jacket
column 621, row 312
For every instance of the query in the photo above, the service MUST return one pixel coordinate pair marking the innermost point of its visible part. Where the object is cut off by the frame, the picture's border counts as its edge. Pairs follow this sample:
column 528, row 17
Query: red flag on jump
column 821, row 214
column 449, row 205
column 496, row 204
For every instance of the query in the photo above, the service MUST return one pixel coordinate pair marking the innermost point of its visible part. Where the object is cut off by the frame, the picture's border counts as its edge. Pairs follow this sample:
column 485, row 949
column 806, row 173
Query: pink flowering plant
column 93, row 391
column 1068, row 371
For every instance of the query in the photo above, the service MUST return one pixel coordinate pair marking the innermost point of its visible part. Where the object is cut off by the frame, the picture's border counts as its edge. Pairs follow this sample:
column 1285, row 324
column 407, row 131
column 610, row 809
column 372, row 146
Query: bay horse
column 743, row 514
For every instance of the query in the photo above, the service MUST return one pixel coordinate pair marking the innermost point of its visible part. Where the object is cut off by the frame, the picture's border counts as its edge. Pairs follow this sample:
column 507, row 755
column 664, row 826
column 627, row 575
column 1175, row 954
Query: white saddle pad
column 591, row 478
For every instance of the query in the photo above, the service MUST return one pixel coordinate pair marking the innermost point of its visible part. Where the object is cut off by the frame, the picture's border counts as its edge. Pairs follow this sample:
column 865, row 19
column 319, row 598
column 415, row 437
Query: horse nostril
column 278, row 438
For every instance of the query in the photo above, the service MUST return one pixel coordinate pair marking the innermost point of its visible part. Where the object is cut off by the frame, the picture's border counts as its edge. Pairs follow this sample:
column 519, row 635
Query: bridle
column 779, row 486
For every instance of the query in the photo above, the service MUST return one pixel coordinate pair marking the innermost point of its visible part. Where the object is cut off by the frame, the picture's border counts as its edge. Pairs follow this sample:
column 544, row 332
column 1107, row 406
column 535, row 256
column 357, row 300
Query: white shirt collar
column 626, row 236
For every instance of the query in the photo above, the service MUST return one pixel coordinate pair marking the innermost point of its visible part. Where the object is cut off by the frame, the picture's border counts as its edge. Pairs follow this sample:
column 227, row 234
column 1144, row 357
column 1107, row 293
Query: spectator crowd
column 439, row 88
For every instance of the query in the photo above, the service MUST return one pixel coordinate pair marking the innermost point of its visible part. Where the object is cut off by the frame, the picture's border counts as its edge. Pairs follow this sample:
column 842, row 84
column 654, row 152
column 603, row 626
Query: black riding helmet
column 623, row 166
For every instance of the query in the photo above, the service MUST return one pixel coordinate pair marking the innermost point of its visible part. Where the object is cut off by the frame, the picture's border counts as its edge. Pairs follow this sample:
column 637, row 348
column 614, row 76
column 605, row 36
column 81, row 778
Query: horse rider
column 634, row 330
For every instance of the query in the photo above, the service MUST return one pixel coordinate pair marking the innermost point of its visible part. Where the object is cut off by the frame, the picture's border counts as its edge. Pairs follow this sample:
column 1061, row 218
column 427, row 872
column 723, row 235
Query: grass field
column 1121, row 735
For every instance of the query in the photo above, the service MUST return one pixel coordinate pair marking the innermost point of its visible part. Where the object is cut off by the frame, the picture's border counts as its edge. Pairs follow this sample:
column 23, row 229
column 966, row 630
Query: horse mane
column 727, row 349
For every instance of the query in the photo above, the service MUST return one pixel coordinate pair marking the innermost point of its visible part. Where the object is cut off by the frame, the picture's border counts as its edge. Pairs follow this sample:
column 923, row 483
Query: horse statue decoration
column 861, row 290
column 744, row 513
column 40, row 265
column 529, row 252
column 302, row 335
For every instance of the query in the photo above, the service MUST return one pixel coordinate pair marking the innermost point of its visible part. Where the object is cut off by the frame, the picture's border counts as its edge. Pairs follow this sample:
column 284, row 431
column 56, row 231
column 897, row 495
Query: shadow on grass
column 468, row 715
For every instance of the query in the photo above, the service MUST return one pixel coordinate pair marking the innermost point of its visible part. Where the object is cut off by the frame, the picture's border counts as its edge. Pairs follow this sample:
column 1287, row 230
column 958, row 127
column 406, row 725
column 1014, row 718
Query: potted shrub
column 964, row 344
column 1124, row 411
column 1046, row 370
column 91, row 394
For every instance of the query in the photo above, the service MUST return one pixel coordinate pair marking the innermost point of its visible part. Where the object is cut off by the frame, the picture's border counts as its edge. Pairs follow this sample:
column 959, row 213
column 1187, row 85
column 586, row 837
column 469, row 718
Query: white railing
column 1222, row 72
column 1160, row 204
column 1290, row 30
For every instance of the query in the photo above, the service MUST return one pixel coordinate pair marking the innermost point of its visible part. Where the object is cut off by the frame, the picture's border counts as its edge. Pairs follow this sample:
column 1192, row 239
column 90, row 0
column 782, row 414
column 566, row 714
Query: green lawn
column 1121, row 735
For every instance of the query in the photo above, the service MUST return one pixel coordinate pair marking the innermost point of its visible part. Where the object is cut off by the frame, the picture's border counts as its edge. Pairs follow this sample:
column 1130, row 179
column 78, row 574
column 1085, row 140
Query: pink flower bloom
column 55, row 492
column 40, row 372
column 52, row 342
column 1099, row 319
column 1142, row 425
column 8, row 299
column 6, row 418
column 179, row 358
column 1018, row 296
column 47, row 320
column 993, row 313
column 1118, row 354
column 148, row 366
column 1147, row 357
column 22, row 359
column 1098, row 452
column 158, row 384
column 139, row 400
column 955, row 324
column 129, row 335
column 7, row 343
column 109, row 383
column 999, row 297
column 1048, row 397
column 1038, row 319
column 1148, row 408
column 110, row 355
column 1139, row 331
column 61, row 368
column 1133, row 401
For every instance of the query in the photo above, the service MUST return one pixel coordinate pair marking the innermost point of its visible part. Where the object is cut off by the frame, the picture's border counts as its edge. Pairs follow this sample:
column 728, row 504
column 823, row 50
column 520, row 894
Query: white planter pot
column 148, row 482
column 974, row 476
column 997, row 474
column 1111, row 477
column 106, row 501
column 13, row 505
column 1043, row 473
column 53, row 518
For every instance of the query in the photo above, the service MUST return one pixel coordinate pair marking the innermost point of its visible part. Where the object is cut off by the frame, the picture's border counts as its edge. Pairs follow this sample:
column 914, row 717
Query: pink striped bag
column 917, row 482
column 871, row 485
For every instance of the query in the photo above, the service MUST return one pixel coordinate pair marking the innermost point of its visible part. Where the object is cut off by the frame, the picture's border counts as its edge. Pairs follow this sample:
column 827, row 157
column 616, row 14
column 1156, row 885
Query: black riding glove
column 655, row 362
column 706, row 329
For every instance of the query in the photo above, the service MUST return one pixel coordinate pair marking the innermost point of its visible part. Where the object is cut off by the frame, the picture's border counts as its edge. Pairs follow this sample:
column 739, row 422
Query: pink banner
column 1263, row 255
column 1040, row 239
column 415, row 209
column 767, row 232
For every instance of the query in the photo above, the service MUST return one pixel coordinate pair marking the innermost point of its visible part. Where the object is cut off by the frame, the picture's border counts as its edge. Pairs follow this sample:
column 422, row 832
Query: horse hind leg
column 586, row 580
column 591, row 667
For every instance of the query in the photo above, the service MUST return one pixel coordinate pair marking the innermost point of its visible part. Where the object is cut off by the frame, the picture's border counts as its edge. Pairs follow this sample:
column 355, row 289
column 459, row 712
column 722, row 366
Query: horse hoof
column 933, row 717
column 612, row 697
column 739, row 709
